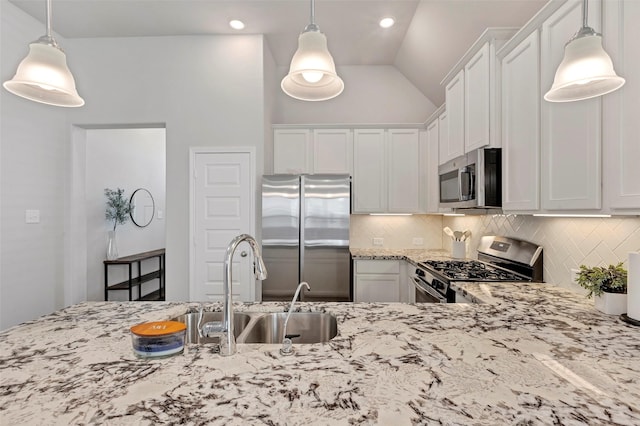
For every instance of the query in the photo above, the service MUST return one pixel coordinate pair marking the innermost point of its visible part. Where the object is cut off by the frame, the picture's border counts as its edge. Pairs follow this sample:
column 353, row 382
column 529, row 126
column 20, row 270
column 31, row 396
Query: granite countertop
column 531, row 354
column 411, row 255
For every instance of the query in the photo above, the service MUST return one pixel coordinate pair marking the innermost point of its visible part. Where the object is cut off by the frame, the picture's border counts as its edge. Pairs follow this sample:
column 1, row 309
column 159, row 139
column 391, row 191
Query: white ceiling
column 428, row 39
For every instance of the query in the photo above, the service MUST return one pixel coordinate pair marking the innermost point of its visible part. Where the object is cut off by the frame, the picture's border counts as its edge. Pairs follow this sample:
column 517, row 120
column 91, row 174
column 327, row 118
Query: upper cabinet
column 472, row 95
column 571, row 134
column 575, row 157
column 477, row 82
column 387, row 177
column 521, row 126
column 292, row 151
column 332, row 151
column 621, row 123
column 453, row 145
column 312, row 151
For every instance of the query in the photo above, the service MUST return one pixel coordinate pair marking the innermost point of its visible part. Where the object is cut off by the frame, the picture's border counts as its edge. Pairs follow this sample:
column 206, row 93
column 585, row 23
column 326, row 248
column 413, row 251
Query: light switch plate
column 160, row 214
column 32, row 216
column 417, row 241
column 574, row 275
column 378, row 241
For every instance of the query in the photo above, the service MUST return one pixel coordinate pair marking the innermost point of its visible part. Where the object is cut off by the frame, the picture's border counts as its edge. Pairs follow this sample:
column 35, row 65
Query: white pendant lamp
column 43, row 76
column 586, row 70
column 312, row 74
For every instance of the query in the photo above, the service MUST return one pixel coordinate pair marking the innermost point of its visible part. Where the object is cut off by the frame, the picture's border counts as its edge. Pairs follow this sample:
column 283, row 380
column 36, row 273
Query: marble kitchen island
column 531, row 354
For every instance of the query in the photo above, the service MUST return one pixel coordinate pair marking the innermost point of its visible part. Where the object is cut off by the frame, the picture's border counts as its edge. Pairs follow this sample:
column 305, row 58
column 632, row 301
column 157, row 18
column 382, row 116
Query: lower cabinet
column 380, row 281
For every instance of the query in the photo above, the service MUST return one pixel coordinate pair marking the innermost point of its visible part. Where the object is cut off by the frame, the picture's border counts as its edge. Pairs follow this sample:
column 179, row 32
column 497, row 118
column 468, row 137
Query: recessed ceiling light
column 236, row 25
column 387, row 22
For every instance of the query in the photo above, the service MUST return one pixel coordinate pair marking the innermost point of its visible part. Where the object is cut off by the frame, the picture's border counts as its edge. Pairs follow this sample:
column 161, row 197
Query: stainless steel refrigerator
column 305, row 236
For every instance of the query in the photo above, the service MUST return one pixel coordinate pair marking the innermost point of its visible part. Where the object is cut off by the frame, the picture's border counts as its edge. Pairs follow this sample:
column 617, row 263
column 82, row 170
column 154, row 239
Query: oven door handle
column 427, row 290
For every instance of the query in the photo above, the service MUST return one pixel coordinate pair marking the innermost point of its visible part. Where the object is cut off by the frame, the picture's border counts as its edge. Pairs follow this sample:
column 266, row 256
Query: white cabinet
column 386, row 176
column 472, row 96
column 621, row 123
column 454, row 97
column 292, row 151
column 443, row 136
column 571, row 135
column 433, row 181
column 476, row 100
column 403, row 165
column 521, row 126
column 369, row 171
column 435, row 133
column 312, row 151
column 377, row 281
column 332, row 151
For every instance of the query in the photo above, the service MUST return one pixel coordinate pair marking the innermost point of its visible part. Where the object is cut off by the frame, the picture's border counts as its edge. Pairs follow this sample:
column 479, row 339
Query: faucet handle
column 287, row 347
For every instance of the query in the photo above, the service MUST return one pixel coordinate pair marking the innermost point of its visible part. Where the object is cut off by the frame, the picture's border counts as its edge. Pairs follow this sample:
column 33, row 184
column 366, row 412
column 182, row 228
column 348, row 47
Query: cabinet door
column 433, row 182
column 454, row 94
column 521, row 126
column 403, row 171
column 443, row 138
column 621, row 125
column 292, row 151
column 332, row 151
column 377, row 288
column 369, row 174
column 476, row 100
column 571, row 131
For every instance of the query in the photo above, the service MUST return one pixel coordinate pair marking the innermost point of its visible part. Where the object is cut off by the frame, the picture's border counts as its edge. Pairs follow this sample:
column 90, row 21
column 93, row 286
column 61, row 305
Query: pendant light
column 43, row 76
column 586, row 70
column 312, row 74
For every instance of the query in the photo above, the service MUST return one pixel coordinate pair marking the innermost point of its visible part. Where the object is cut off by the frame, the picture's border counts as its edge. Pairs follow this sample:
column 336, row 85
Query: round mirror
column 142, row 207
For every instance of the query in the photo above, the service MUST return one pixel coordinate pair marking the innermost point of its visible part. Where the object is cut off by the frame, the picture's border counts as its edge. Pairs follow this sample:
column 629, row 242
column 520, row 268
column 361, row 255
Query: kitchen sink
column 240, row 321
column 261, row 327
column 304, row 327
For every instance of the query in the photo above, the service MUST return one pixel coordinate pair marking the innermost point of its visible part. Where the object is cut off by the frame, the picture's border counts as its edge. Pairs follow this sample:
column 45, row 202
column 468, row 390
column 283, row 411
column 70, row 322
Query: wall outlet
column 574, row 275
column 378, row 241
column 32, row 216
column 417, row 241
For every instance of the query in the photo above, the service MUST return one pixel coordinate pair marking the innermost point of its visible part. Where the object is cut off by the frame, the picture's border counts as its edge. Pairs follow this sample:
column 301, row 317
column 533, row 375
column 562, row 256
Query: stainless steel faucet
column 225, row 329
column 287, row 345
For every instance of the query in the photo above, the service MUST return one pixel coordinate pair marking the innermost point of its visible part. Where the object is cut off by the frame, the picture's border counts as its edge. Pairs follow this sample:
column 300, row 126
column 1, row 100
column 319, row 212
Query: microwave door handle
column 465, row 191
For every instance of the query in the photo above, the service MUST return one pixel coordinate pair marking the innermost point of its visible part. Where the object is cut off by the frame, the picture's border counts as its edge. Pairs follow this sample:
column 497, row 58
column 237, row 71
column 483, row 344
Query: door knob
column 243, row 254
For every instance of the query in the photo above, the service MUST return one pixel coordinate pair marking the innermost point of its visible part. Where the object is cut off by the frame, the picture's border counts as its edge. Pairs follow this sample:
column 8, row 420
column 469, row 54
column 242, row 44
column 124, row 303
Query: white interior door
column 222, row 203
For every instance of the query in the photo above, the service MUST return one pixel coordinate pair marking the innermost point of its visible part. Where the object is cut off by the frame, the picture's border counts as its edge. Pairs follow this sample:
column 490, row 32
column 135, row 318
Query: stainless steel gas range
column 499, row 259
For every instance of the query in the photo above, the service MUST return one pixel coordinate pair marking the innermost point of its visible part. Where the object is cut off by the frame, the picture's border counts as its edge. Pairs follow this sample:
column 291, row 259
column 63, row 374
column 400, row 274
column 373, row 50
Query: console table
column 136, row 281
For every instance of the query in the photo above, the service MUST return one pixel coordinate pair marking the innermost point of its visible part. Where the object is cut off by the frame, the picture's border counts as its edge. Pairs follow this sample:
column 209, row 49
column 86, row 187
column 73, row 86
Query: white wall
column 33, row 141
column 207, row 90
column 127, row 159
column 372, row 94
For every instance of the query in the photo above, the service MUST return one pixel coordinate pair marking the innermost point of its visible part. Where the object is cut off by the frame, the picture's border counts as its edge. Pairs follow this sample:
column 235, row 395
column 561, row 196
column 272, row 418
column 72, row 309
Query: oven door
column 426, row 294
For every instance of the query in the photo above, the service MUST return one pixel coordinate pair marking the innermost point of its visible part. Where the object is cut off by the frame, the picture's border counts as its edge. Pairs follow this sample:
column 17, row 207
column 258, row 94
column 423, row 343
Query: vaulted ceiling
column 427, row 40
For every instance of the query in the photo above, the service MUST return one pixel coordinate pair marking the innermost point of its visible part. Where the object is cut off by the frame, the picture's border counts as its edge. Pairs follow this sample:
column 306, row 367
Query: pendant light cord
column 49, row 18
column 313, row 12
column 584, row 14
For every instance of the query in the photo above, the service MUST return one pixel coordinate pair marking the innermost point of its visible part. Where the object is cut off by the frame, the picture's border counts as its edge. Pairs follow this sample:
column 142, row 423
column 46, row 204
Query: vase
column 611, row 303
column 112, row 247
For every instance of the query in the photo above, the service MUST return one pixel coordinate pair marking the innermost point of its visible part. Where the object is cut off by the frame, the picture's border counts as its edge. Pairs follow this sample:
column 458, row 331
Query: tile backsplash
column 567, row 242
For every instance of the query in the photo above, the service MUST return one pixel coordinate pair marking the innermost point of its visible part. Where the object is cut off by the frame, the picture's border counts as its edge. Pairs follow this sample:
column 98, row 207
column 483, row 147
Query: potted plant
column 118, row 210
column 608, row 286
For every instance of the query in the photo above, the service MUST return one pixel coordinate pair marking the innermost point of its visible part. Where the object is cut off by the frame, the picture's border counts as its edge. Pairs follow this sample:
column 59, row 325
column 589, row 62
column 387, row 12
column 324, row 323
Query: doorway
column 130, row 158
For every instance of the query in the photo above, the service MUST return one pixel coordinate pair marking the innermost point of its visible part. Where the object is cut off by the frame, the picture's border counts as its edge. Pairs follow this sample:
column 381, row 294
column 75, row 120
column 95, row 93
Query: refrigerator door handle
column 301, row 215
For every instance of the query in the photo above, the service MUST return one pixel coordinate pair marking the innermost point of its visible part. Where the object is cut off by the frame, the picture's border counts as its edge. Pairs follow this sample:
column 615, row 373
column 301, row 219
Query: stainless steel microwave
column 472, row 181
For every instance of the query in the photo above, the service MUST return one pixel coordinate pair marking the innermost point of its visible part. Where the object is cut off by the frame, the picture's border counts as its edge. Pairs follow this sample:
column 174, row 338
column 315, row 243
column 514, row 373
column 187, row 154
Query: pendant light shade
column 43, row 76
column 586, row 70
column 312, row 74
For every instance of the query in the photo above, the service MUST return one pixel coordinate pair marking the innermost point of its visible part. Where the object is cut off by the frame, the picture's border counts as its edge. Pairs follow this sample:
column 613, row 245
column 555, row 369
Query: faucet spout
column 228, row 340
column 287, row 345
